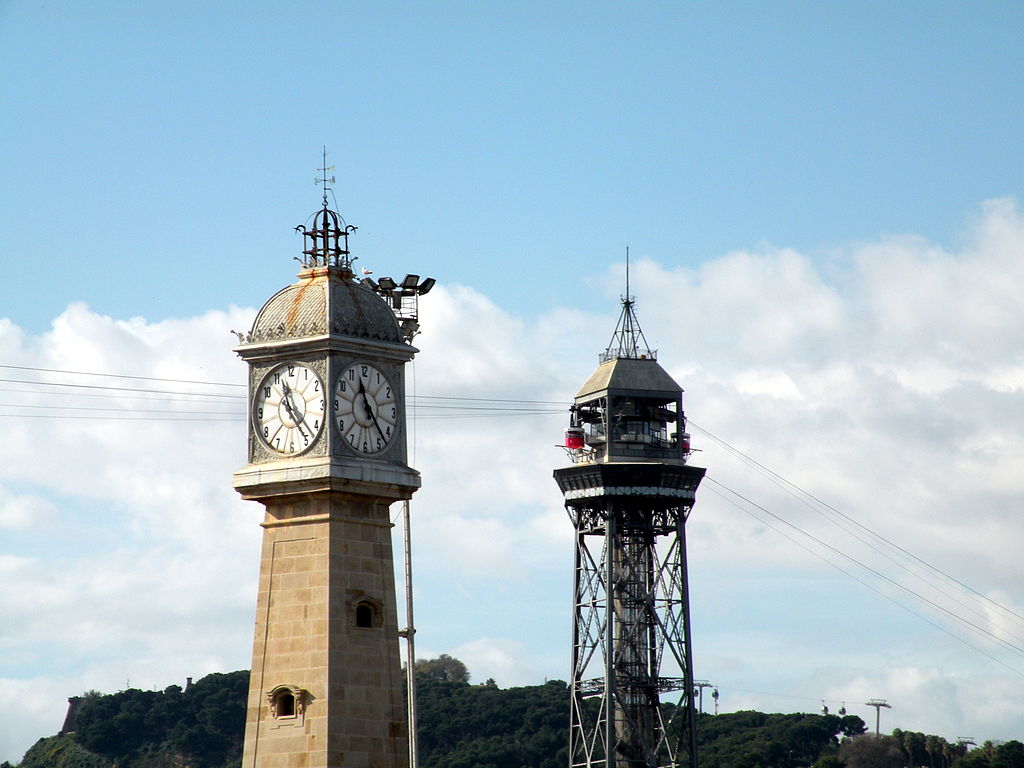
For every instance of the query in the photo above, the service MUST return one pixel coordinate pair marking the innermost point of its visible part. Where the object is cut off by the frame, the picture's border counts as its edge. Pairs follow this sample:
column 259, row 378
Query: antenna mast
column 628, row 341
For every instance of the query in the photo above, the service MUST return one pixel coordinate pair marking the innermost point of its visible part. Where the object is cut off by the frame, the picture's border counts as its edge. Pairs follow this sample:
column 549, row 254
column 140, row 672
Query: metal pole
column 410, row 643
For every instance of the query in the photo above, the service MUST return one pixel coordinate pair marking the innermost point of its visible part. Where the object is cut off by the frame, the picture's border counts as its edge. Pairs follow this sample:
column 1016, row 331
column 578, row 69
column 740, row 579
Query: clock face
column 365, row 408
column 288, row 409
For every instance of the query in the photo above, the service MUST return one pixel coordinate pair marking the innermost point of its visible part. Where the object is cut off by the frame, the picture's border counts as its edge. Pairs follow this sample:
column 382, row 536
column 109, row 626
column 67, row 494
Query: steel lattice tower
column 628, row 495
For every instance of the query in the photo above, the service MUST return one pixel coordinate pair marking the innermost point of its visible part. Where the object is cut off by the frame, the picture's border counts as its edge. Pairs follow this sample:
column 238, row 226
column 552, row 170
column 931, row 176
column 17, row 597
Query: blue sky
column 821, row 202
column 180, row 139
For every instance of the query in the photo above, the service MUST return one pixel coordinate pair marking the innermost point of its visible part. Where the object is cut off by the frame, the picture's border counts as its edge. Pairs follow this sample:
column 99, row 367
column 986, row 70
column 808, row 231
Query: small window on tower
column 285, row 704
column 364, row 615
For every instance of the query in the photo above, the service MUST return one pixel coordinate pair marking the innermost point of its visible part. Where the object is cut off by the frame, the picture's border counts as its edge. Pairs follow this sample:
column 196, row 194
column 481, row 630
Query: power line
column 477, row 407
column 120, row 376
column 874, row 573
column 121, row 389
column 810, row 500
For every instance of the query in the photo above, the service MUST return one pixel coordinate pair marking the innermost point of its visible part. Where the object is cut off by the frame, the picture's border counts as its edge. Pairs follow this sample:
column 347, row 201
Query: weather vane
column 323, row 179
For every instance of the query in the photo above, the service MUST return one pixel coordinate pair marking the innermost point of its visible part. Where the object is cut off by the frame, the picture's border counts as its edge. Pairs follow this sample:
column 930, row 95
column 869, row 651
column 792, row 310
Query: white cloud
column 507, row 661
column 24, row 511
column 885, row 381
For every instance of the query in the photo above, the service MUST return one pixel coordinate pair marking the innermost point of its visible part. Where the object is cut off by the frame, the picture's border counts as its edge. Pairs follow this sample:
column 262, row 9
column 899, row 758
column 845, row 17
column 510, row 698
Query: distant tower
column 628, row 494
column 327, row 458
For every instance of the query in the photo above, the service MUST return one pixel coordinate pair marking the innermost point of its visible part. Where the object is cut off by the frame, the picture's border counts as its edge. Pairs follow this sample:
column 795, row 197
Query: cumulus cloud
column 24, row 511
column 884, row 378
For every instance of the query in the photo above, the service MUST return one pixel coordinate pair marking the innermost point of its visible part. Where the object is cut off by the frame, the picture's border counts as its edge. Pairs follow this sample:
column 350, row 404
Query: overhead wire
column 858, row 530
column 452, row 407
column 877, row 574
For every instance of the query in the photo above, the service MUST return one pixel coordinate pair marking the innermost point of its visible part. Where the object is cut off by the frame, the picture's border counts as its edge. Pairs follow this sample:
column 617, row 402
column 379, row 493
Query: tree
column 870, row 751
column 445, row 668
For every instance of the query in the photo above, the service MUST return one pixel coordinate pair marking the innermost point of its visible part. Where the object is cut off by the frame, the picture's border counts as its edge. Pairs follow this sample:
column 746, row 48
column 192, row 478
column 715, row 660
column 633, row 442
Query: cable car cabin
column 574, row 438
column 630, row 410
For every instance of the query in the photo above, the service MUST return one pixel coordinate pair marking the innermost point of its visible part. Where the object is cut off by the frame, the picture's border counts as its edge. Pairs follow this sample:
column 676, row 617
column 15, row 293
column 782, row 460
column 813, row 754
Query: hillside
column 475, row 726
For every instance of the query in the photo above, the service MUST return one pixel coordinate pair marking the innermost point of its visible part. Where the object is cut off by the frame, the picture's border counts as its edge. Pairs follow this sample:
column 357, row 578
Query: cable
column 802, row 495
column 873, row 572
column 499, row 407
column 119, row 376
column 122, row 389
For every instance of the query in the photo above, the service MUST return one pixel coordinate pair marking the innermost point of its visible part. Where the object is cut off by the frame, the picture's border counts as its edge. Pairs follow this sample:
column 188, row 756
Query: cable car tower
column 628, row 493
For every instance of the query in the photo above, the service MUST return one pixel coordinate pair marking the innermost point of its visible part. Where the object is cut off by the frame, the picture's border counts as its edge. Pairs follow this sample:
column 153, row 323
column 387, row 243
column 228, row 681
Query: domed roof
column 325, row 300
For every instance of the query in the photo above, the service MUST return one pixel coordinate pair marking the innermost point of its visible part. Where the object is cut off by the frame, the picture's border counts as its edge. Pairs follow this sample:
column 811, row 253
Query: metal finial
column 628, row 340
column 327, row 235
column 323, row 179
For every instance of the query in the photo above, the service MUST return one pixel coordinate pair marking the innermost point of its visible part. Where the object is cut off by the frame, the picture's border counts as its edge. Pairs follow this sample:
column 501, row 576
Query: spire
column 326, row 240
column 628, row 340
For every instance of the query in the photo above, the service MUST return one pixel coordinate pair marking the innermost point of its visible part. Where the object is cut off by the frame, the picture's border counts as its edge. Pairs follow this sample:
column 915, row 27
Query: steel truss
column 631, row 626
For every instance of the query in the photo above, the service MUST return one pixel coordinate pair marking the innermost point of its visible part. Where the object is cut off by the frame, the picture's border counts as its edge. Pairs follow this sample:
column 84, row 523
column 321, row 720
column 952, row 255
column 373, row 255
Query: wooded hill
column 474, row 726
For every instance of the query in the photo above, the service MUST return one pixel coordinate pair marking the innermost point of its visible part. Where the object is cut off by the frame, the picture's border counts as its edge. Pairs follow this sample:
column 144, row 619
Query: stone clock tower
column 327, row 457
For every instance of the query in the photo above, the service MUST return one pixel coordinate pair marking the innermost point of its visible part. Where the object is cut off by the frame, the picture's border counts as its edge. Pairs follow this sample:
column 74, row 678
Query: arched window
column 285, row 704
column 364, row 615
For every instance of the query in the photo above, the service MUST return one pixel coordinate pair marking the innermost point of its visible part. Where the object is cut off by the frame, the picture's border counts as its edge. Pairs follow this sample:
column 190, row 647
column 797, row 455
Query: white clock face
column 365, row 408
column 288, row 409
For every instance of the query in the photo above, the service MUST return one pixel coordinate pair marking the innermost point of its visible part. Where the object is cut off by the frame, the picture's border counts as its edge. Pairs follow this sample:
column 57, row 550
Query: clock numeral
column 366, row 448
column 341, row 425
column 277, row 442
column 323, row 403
column 291, row 371
column 266, row 391
column 259, row 414
column 352, row 438
column 394, row 412
column 305, row 439
column 316, row 425
column 342, row 386
column 389, row 392
column 316, row 384
column 352, row 374
column 337, row 405
column 379, row 444
column 364, row 372
column 387, row 433
column 277, row 378
column 266, row 432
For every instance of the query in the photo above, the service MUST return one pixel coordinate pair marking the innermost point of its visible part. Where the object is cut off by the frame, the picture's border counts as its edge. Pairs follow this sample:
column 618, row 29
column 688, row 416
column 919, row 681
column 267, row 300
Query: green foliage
column 870, row 751
column 483, row 726
column 755, row 739
column 1009, row 754
column 444, row 667
column 477, row 726
column 202, row 727
column 61, row 752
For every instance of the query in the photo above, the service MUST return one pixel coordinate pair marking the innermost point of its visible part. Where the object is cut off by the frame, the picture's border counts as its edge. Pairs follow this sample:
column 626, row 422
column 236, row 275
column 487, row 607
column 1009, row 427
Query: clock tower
column 326, row 458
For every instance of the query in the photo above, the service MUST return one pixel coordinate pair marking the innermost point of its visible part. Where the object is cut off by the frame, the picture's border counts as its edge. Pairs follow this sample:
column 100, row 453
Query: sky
column 822, row 203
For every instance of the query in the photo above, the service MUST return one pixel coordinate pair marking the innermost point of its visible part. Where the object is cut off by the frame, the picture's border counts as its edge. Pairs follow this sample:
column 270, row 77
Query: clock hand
column 373, row 418
column 288, row 407
column 369, row 410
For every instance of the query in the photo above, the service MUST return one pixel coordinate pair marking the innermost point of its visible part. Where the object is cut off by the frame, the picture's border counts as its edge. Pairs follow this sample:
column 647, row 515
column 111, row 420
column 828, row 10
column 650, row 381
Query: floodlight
column 387, row 284
column 369, row 281
column 410, row 282
column 426, row 285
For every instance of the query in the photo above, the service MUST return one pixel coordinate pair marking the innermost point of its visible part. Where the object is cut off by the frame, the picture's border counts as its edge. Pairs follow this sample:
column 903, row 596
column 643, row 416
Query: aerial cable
column 120, row 376
column 872, row 571
column 869, row 569
column 122, row 389
column 797, row 492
